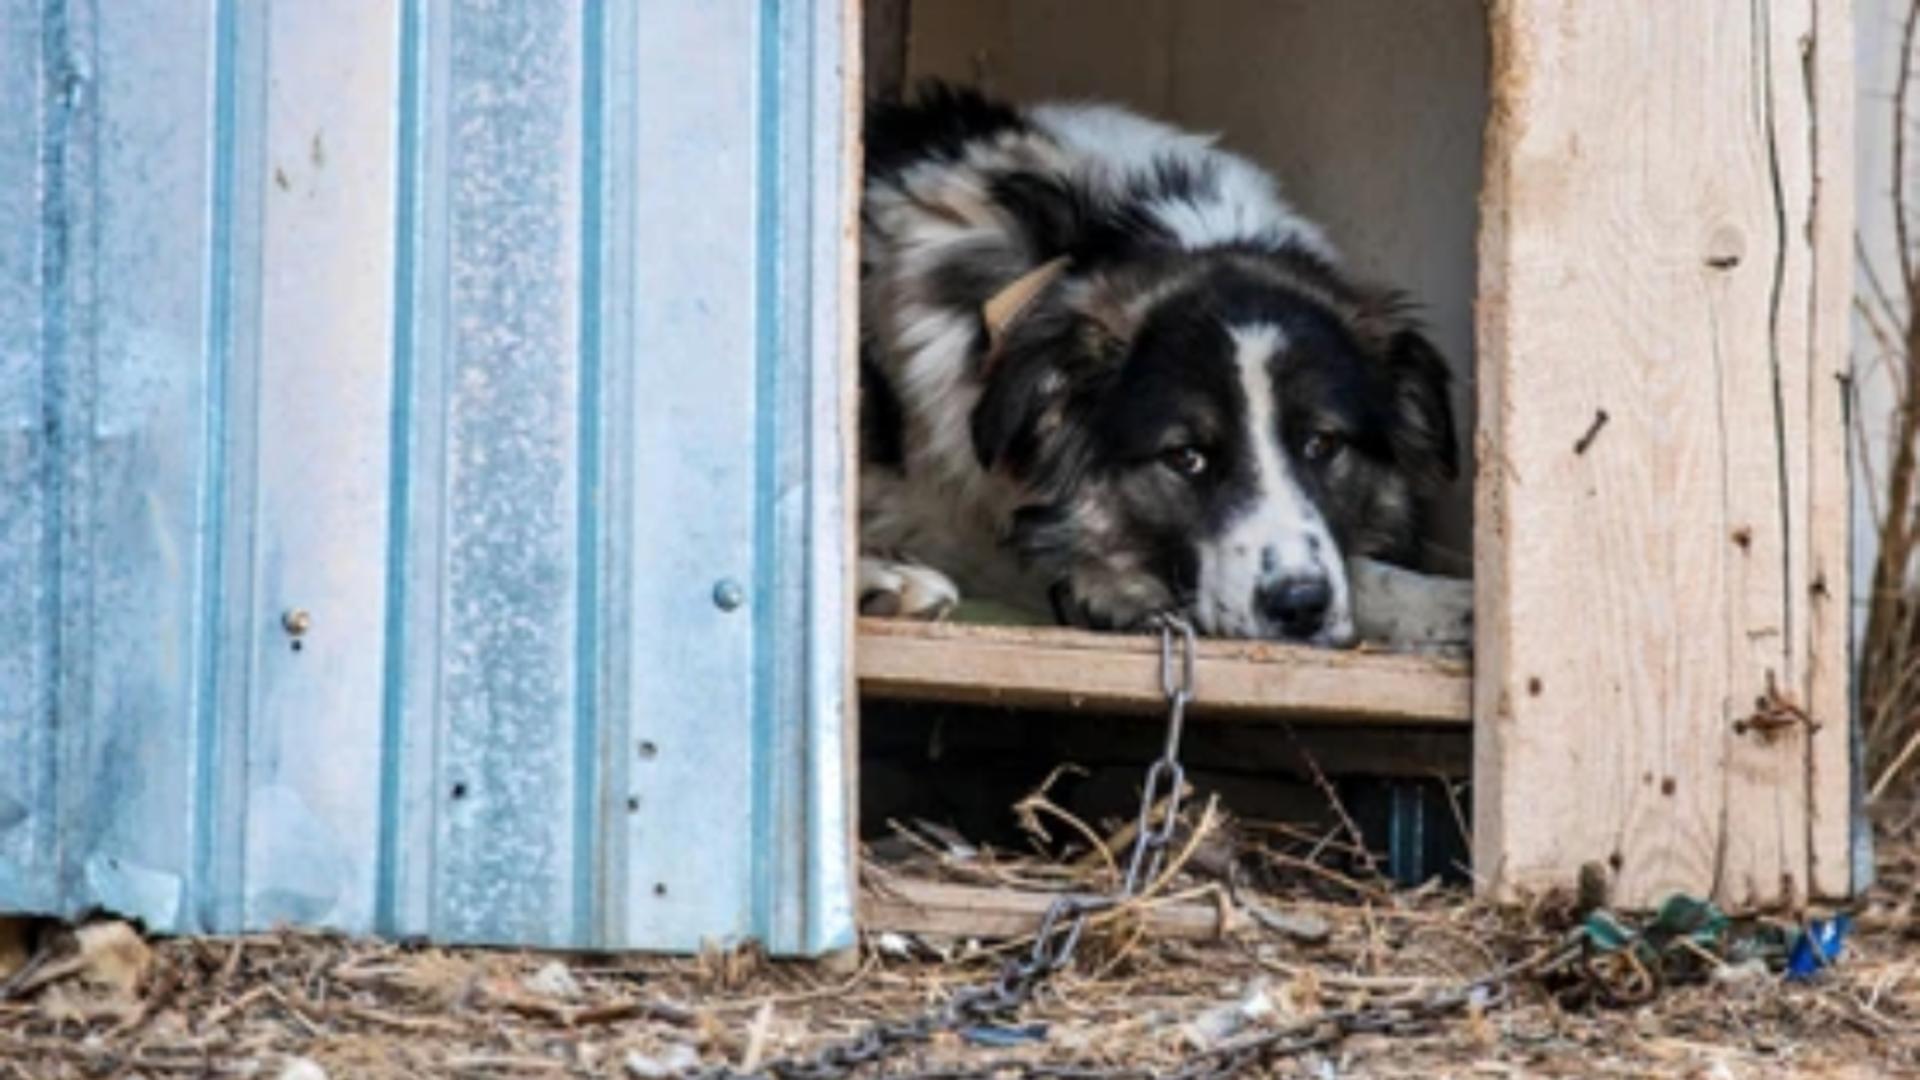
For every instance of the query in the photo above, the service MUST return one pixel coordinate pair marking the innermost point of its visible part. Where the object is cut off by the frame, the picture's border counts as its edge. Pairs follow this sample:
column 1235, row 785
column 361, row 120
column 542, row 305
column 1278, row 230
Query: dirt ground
column 1303, row 941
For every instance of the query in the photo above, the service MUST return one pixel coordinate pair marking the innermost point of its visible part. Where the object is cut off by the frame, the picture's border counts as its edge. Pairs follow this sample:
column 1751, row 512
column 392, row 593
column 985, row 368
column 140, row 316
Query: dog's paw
column 905, row 590
column 1402, row 609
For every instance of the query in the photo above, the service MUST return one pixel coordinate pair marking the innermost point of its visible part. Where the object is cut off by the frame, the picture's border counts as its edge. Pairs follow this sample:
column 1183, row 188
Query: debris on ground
column 299, row 1068
column 673, row 1060
column 1219, row 1023
column 553, row 980
column 16, row 944
column 1294, row 939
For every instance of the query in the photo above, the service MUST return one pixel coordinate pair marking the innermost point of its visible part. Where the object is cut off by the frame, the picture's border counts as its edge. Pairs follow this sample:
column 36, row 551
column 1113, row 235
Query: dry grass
column 251, row 1006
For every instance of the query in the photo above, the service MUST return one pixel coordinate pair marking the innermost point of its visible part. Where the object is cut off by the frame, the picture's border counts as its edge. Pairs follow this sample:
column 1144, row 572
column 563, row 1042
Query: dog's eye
column 1185, row 460
column 1322, row 446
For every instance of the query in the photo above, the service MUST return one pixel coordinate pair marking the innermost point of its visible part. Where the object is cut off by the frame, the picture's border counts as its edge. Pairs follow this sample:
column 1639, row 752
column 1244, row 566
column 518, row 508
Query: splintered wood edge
column 1045, row 667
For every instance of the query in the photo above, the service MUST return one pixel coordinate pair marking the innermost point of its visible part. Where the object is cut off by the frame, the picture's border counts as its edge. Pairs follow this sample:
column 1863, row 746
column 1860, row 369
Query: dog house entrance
column 1369, row 113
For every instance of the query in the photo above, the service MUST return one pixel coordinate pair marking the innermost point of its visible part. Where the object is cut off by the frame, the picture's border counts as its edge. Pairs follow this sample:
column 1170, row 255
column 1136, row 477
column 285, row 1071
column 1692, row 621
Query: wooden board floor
column 1055, row 668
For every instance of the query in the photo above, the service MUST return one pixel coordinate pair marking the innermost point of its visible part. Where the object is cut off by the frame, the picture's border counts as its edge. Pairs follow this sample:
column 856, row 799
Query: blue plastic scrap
column 1817, row 947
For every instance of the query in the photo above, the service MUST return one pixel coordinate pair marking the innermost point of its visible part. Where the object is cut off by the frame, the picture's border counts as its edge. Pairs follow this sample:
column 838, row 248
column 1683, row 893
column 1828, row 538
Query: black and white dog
column 1108, row 372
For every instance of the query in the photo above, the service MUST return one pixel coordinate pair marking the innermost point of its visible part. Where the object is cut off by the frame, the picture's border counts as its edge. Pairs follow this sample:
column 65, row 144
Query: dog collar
column 1004, row 307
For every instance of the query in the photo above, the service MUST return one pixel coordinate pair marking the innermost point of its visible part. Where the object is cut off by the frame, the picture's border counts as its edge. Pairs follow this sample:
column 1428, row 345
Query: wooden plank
column 1661, row 313
column 1116, row 50
column 1828, row 642
column 885, row 25
column 972, row 911
column 1055, row 668
column 854, row 149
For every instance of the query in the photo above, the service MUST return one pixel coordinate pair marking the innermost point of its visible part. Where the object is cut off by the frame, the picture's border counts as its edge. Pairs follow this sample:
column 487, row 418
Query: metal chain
column 1065, row 921
column 1061, row 928
column 1313, row 1033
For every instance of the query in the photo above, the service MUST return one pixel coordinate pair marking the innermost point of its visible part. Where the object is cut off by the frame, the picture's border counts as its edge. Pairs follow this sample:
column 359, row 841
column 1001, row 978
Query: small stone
column 554, row 981
column 1743, row 975
column 113, row 957
column 299, row 1068
column 672, row 1060
column 1305, row 927
column 1221, row 1022
column 1256, row 1005
column 1213, row 1027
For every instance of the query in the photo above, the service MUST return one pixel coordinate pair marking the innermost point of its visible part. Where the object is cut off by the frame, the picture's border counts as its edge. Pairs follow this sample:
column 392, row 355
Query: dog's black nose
column 1297, row 604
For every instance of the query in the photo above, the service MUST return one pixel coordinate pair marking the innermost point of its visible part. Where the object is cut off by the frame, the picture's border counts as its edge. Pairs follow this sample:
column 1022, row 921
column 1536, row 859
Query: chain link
column 1314, row 1033
column 1060, row 930
column 1065, row 922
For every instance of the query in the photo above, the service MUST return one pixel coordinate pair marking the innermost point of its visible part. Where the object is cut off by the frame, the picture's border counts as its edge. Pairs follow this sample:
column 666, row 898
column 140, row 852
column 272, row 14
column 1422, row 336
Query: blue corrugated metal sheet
column 495, row 344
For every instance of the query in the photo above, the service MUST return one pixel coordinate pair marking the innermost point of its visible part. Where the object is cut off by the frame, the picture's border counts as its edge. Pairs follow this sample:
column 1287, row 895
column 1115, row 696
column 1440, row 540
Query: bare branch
column 1907, row 31
column 1878, row 289
column 1889, row 659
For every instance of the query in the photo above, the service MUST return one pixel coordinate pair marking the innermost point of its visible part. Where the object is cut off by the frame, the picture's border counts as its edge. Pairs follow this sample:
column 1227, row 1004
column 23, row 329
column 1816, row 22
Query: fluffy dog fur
column 1200, row 413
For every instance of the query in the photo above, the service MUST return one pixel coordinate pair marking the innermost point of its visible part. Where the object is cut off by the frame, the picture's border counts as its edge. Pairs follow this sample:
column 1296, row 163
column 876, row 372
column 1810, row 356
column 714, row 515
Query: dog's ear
column 1059, row 365
column 1423, row 431
column 1010, row 409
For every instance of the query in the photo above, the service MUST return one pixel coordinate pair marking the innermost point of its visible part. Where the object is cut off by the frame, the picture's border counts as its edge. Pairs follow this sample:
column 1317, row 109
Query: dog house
column 1601, row 216
column 427, row 437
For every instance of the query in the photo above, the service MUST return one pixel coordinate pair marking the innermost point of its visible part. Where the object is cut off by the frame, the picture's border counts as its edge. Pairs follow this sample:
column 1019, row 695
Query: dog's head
column 1215, row 437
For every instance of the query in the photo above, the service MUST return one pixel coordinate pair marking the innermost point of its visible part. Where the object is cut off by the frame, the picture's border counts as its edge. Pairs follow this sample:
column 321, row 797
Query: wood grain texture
column 933, row 907
column 1045, row 667
column 847, row 250
column 1660, row 485
column 1831, row 217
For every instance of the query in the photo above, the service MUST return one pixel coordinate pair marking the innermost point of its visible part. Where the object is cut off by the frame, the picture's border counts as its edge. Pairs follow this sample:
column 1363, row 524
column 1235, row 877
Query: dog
column 1108, row 373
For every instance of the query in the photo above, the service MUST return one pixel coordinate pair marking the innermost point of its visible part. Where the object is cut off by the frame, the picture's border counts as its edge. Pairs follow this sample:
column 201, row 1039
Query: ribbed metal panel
column 496, row 344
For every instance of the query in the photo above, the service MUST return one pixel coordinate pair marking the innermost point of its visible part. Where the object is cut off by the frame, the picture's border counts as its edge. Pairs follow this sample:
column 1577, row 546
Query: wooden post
column 1661, row 500
column 884, row 31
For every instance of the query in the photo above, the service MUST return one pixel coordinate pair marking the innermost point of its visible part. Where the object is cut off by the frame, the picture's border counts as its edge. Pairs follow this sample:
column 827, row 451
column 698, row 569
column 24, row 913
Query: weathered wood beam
column 1054, row 668
column 1661, row 519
